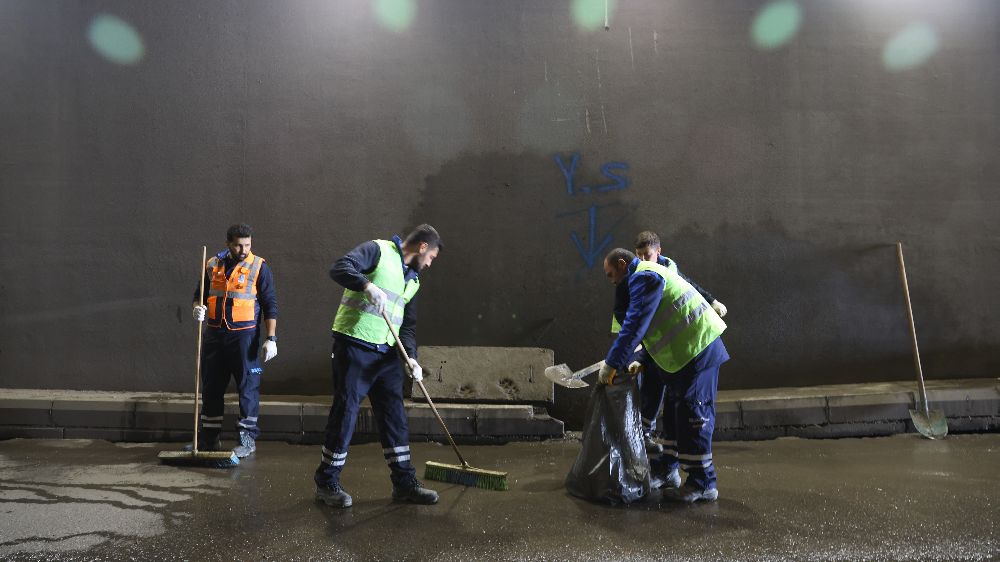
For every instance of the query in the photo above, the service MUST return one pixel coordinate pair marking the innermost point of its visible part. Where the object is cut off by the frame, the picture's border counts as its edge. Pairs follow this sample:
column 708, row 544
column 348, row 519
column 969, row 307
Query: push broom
column 463, row 474
column 194, row 457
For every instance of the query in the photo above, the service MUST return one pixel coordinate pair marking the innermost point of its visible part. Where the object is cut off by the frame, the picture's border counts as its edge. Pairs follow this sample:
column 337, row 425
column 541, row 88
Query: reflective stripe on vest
column 358, row 318
column 683, row 324
column 233, row 300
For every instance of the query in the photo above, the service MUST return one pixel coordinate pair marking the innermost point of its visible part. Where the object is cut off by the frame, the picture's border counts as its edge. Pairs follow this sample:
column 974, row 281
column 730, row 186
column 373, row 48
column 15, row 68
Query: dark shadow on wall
column 524, row 247
column 801, row 312
column 826, row 308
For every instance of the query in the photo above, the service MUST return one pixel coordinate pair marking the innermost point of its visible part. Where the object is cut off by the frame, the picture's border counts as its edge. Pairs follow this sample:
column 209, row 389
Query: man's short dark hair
column 424, row 233
column 647, row 238
column 239, row 231
column 619, row 254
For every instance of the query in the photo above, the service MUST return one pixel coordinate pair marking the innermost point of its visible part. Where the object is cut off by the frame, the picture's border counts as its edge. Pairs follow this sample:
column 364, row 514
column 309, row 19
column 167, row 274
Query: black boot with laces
column 333, row 495
column 410, row 490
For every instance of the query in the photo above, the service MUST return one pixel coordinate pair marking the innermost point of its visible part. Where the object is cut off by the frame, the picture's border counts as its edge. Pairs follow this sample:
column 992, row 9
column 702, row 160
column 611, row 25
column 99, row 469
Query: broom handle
column 913, row 330
column 197, row 360
column 406, row 356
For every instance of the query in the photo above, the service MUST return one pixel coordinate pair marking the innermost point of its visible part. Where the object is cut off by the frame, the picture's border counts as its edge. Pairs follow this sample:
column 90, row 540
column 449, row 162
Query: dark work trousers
column 359, row 372
column 652, row 388
column 226, row 354
column 693, row 390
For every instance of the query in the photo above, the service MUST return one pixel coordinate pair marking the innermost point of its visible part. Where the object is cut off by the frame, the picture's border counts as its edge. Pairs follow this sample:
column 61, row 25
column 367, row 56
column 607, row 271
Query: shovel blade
column 563, row 376
column 932, row 424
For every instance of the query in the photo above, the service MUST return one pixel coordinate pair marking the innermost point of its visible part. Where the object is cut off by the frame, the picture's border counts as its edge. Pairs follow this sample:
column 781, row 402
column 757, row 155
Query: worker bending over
column 680, row 333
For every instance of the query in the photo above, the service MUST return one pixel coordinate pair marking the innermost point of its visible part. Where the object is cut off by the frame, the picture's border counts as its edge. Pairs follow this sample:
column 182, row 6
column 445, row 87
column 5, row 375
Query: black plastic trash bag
column 612, row 466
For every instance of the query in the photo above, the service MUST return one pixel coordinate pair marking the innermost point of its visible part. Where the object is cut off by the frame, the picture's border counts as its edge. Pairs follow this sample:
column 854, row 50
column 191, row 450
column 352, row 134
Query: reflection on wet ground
column 895, row 498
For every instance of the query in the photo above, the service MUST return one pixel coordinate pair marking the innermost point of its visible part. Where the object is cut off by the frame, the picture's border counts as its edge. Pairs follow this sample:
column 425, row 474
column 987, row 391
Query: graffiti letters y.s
column 613, row 179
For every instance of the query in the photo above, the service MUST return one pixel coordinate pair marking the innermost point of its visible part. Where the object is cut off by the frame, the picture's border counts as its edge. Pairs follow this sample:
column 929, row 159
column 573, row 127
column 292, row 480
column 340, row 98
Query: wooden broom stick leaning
column 197, row 359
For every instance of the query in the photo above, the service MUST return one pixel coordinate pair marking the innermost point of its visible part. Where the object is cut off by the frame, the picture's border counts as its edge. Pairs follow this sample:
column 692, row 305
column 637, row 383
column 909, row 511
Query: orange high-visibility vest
column 233, row 300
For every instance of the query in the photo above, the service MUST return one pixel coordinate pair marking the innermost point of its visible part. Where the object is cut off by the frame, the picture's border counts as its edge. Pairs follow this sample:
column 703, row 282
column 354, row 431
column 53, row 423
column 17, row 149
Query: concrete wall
column 778, row 175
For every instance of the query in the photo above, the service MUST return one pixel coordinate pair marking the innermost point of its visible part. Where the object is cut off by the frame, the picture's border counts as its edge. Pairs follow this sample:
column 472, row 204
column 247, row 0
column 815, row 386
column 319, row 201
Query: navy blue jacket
column 645, row 289
column 267, row 298
column 350, row 272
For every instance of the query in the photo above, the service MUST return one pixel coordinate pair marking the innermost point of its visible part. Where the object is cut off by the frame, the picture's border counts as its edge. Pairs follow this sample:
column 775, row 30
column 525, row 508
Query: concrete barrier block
column 870, row 407
column 495, row 374
column 776, row 412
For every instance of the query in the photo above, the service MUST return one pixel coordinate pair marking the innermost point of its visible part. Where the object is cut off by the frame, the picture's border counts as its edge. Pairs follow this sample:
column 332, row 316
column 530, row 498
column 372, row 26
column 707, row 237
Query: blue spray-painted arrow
column 590, row 255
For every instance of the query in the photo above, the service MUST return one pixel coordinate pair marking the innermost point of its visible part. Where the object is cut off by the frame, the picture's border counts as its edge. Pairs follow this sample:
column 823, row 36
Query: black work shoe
column 206, row 445
column 333, row 495
column 247, row 445
column 412, row 491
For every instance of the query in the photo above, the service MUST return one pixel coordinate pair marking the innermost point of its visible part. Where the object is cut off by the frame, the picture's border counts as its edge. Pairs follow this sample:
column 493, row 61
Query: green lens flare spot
column 776, row 24
column 396, row 15
column 910, row 48
column 591, row 14
column 115, row 39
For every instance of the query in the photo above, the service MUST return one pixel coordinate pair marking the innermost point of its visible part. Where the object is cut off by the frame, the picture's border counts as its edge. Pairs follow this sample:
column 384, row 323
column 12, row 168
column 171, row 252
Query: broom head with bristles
column 211, row 459
column 466, row 476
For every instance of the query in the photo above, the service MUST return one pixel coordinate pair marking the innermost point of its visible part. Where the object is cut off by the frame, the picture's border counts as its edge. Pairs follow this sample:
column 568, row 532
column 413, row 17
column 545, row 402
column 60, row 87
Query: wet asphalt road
column 895, row 498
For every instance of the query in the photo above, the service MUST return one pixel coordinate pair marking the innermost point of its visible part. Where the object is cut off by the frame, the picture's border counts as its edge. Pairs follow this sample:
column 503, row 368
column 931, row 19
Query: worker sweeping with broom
column 378, row 276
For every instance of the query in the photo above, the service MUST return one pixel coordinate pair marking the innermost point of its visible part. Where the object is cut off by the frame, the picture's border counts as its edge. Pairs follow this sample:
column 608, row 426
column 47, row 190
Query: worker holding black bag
column 681, row 333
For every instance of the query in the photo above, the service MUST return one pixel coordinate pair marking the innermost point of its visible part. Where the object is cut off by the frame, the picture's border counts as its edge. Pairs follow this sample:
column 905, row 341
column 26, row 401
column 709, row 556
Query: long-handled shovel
column 563, row 376
column 930, row 423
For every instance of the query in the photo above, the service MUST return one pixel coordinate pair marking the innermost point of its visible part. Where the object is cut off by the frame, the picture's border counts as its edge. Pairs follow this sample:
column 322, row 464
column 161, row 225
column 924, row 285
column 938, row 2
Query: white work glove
column 719, row 308
column 198, row 312
column 635, row 367
column 606, row 376
column 268, row 350
column 376, row 296
column 416, row 371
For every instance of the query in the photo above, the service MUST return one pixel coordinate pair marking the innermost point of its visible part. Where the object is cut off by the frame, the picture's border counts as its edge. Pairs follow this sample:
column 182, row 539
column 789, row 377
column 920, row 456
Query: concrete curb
column 854, row 410
column 128, row 416
column 851, row 410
